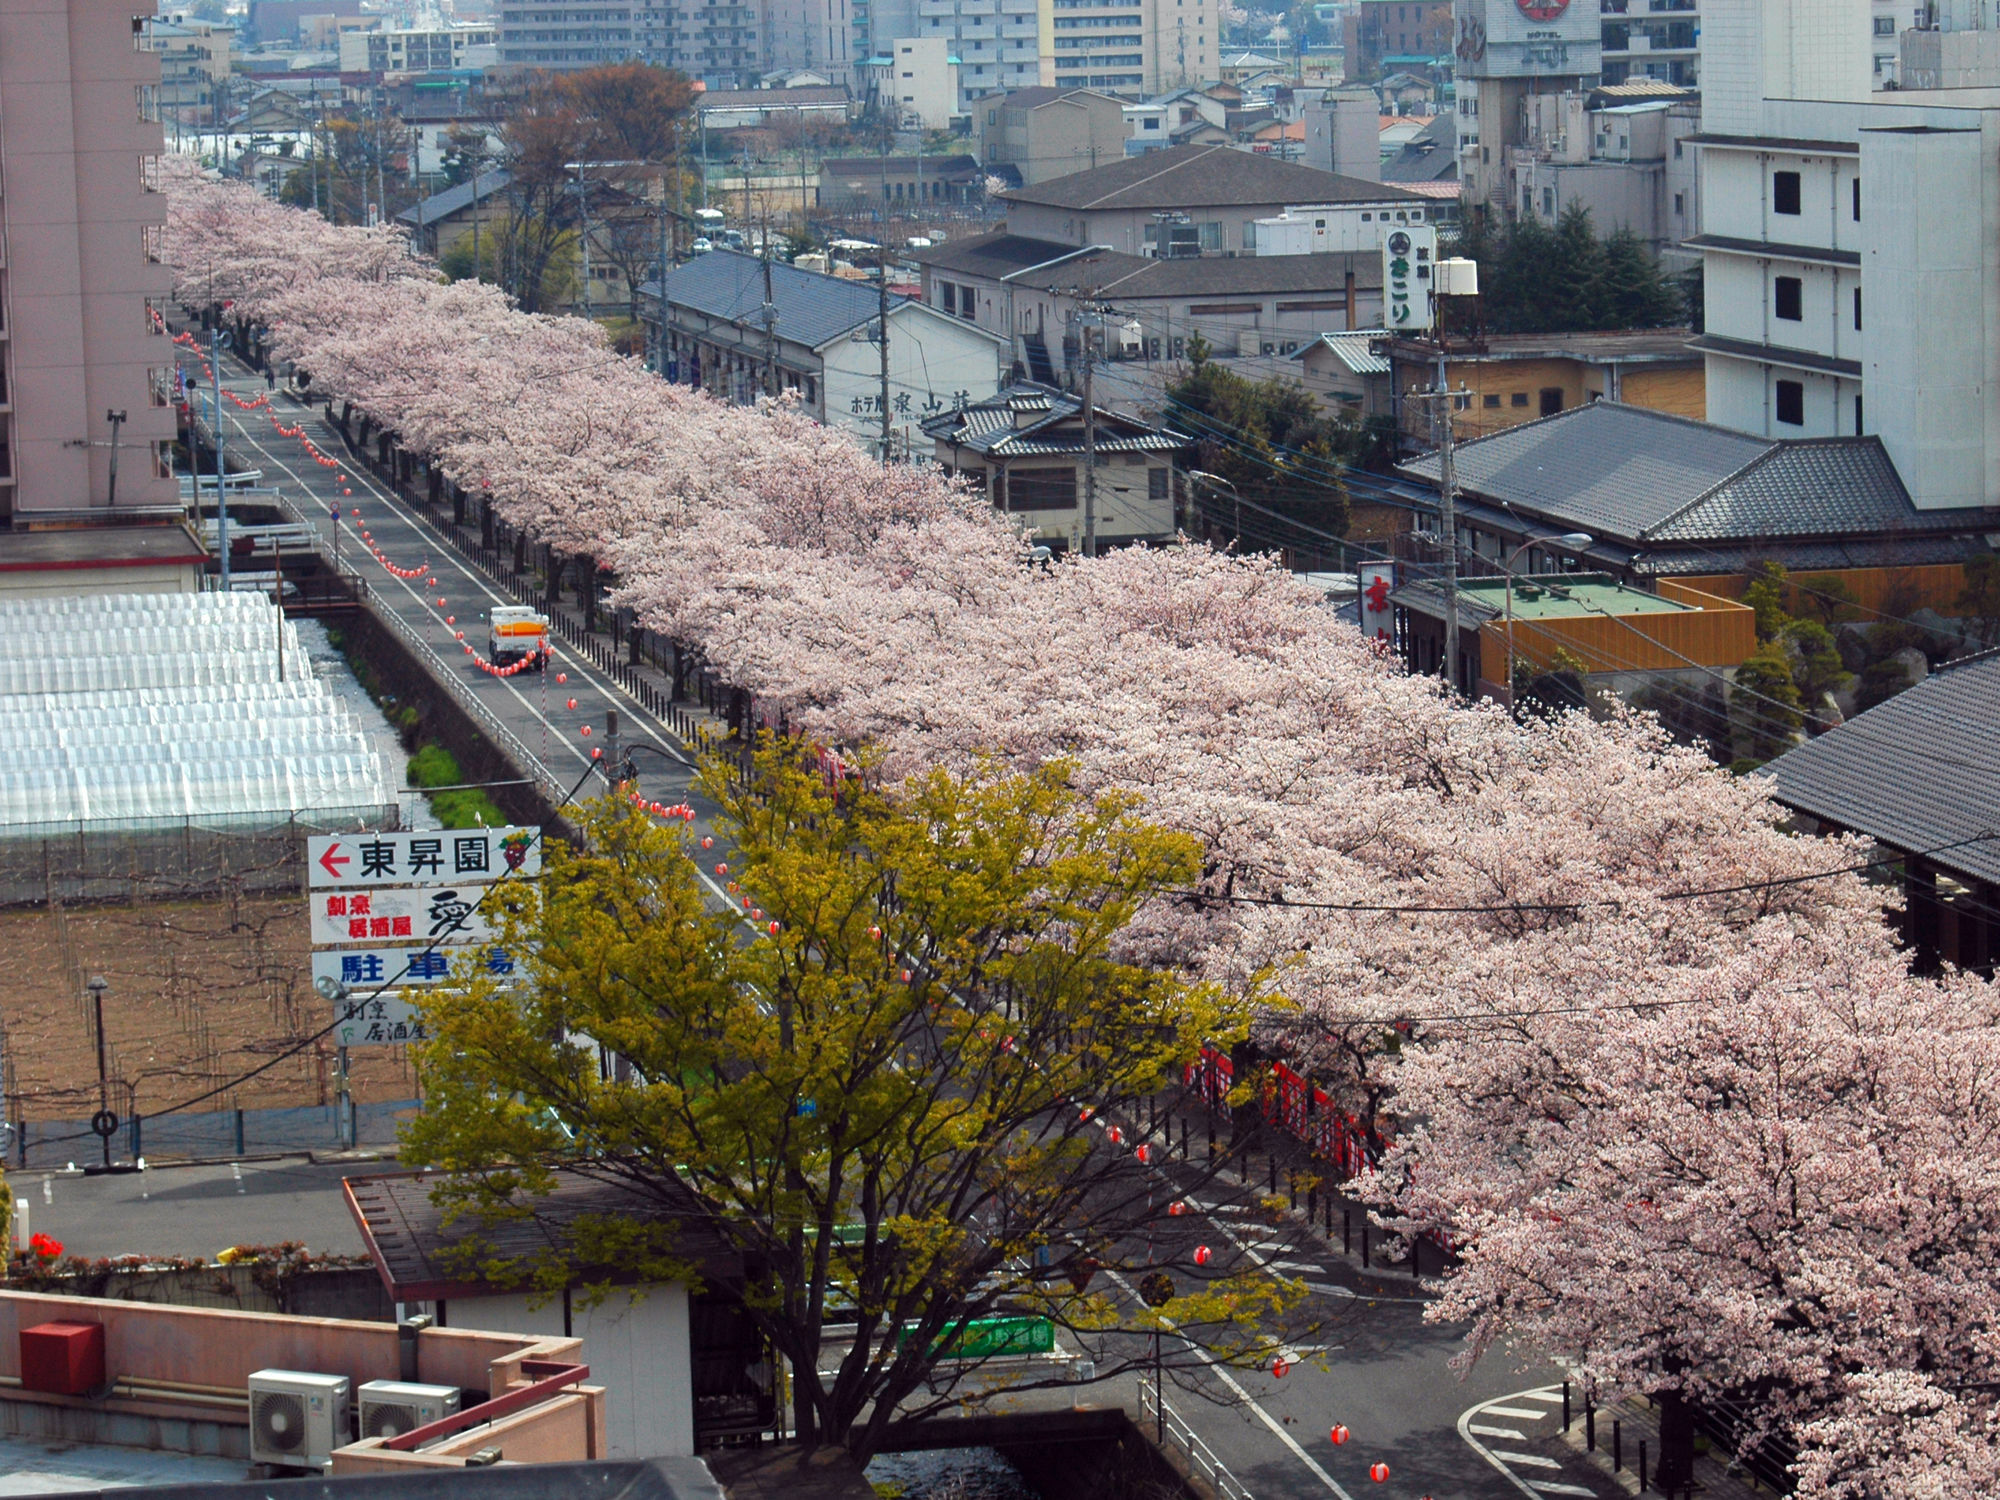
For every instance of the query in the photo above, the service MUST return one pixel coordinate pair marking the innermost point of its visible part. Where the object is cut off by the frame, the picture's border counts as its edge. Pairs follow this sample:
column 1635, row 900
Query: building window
column 950, row 299
column 1857, row 309
column 1857, row 416
column 1788, row 299
column 1680, row 203
column 1792, row 403
column 1519, row 398
column 1156, row 484
column 966, row 308
column 1249, row 240
column 1041, row 489
column 1784, row 192
column 1491, row 402
column 1211, row 235
column 1552, row 400
column 1857, row 200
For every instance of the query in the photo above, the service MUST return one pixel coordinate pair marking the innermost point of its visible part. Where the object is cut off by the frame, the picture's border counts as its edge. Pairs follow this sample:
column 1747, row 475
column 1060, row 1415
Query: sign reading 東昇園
column 434, row 856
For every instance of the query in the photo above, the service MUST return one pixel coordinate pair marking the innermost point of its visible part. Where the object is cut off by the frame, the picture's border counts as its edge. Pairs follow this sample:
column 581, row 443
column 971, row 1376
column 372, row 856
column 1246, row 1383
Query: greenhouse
column 146, row 712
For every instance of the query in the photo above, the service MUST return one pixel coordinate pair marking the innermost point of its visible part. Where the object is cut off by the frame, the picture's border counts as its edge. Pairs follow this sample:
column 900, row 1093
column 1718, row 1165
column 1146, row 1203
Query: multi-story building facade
column 1044, row 132
column 727, row 45
column 1848, row 239
column 1509, row 52
column 1145, row 47
column 194, row 58
column 1385, row 35
column 558, row 34
column 1652, row 39
column 80, row 279
column 998, row 43
column 433, row 50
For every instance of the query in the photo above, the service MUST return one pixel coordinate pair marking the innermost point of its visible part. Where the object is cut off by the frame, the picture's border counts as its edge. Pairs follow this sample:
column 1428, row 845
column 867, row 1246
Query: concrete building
column 1505, row 58
column 1137, row 46
column 1821, row 199
column 1035, row 293
column 1001, row 45
column 823, row 345
column 1631, row 165
column 277, row 21
column 1032, row 135
column 915, row 82
column 1343, row 134
column 1185, row 202
column 82, row 280
column 1522, row 377
column 856, row 182
column 737, row 109
column 194, row 58
column 727, row 46
column 1652, row 39
column 433, row 50
column 555, row 35
column 1384, row 35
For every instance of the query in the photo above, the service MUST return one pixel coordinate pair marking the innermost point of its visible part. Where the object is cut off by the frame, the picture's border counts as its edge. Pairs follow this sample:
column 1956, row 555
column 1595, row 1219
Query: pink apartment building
column 79, row 280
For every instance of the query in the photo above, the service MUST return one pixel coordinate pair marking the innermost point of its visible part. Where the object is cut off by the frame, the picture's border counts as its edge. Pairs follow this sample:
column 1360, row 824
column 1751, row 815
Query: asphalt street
column 1384, row 1373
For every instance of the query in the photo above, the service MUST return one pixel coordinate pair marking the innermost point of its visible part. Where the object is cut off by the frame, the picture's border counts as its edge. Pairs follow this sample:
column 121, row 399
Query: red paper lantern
column 874, row 934
column 1201, row 1257
column 596, row 754
column 707, row 842
column 1279, row 1369
column 1083, row 1115
column 586, row 731
column 1339, row 1435
column 1378, row 1471
column 1176, row 1208
column 1115, row 1136
column 723, row 870
column 451, row 619
column 774, row 929
column 570, row 704
column 746, row 903
column 1145, row 1155
column 562, row 677
column 906, row 976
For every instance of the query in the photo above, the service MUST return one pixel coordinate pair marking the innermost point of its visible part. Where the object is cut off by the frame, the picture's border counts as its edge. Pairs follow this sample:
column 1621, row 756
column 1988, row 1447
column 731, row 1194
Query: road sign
column 426, row 914
column 433, row 856
column 382, row 1022
column 362, row 969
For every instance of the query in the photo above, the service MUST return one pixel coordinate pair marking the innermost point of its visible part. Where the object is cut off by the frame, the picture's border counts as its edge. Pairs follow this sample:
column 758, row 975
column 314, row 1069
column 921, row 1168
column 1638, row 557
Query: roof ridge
column 1777, row 446
column 1151, row 176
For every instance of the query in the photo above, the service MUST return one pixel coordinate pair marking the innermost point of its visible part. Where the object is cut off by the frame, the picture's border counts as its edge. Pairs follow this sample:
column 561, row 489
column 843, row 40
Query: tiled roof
column 1918, row 772
column 1025, row 419
column 1826, row 486
column 1134, row 277
column 771, row 98
column 1192, row 177
column 811, row 308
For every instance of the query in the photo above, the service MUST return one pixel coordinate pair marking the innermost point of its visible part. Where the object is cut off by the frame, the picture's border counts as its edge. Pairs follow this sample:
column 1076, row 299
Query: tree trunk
column 520, row 553
column 1676, row 1467
column 586, row 589
column 486, row 525
column 555, row 571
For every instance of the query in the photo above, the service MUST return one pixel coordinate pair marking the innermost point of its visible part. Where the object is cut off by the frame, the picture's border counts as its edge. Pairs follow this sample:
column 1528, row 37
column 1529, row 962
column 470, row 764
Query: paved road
column 1387, row 1380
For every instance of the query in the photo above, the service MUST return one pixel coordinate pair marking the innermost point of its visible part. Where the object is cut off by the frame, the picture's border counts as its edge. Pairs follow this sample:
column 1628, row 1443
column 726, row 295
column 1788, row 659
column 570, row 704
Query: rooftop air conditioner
column 296, row 1419
column 389, row 1408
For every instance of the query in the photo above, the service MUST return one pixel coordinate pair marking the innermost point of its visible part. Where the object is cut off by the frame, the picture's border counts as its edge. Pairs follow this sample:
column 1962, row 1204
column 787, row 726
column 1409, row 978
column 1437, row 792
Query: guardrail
column 1173, row 1426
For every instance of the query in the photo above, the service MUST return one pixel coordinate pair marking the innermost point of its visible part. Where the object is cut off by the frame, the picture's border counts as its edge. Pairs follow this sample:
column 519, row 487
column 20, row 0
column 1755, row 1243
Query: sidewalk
column 1716, row 1475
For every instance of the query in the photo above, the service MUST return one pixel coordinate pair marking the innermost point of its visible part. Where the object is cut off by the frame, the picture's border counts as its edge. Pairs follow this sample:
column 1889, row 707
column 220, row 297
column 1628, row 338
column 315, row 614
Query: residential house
column 823, row 344
column 1033, row 294
column 847, row 182
column 1240, row 67
column 1195, row 199
column 1025, row 450
column 1667, row 497
column 1349, row 373
column 1919, row 774
column 438, row 222
column 1032, row 135
column 1513, row 378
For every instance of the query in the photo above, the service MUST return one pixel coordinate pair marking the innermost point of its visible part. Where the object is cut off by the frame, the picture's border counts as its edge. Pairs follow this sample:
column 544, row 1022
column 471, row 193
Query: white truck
column 515, row 632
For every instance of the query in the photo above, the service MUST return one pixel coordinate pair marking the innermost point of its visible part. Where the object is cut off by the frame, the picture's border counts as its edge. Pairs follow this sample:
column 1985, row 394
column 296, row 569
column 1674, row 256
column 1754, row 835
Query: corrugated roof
column 1135, row 277
column 811, row 308
column 1352, row 350
column 1918, row 772
column 443, row 205
column 1193, row 177
column 996, row 427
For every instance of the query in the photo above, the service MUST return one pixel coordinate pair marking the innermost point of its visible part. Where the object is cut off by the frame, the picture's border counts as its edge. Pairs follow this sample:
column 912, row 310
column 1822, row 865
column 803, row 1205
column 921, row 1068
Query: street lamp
column 1569, row 541
column 1202, row 476
column 97, row 984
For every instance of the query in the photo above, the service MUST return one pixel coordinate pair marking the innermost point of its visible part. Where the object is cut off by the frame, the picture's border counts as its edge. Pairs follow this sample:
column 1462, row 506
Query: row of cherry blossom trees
column 1675, row 1095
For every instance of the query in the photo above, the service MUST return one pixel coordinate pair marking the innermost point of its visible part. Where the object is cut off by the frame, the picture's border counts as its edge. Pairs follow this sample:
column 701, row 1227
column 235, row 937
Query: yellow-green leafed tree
column 881, row 1106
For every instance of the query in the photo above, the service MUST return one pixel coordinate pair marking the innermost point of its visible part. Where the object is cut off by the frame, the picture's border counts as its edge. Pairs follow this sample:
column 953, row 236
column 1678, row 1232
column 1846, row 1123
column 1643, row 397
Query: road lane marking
column 1552, row 1397
column 1551, row 1487
column 1532, row 1460
column 1515, row 1411
column 1499, row 1432
column 1465, row 1430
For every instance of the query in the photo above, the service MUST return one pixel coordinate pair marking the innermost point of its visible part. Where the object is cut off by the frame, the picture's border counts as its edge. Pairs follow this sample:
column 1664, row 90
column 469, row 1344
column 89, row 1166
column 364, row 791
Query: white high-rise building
column 1851, row 247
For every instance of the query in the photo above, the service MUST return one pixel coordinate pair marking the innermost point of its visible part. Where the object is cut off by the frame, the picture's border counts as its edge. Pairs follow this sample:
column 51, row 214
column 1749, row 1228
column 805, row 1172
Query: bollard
column 239, row 1132
column 1565, row 1406
column 1617, row 1445
column 1589, row 1425
column 1364, row 1256
column 1346, row 1230
column 1642, row 1466
column 1272, row 1158
column 1312, row 1203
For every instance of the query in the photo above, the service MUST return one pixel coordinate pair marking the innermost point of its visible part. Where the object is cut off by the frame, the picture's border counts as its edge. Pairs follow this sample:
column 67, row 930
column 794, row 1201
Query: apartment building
column 85, row 371
column 558, row 34
column 1507, row 56
column 1848, row 242
column 1148, row 47
column 432, row 50
column 194, row 58
column 998, row 43
column 1383, row 35
column 1036, row 134
column 726, row 45
column 1652, row 39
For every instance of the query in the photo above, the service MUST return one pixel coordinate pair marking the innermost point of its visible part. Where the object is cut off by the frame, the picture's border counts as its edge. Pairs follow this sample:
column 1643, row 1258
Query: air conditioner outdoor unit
column 296, row 1419
column 390, row 1408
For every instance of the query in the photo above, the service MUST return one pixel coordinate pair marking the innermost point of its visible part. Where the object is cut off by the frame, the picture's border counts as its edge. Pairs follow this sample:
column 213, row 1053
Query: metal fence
column 1172, row 1429
column 210, row 1134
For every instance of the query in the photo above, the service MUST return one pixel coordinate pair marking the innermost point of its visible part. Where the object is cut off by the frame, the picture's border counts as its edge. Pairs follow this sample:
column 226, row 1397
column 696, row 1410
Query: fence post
column 1617, row 1445
column 138, row 1141
column 1565, row 1406
column 1642, row 1466
column 239, row 1132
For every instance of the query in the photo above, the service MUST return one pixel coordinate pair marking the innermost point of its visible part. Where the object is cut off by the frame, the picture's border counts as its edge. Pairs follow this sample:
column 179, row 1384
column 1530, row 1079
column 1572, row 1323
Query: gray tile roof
column 1194, row 177
column 811, row 308
column 1613, row 470
column 443, row 205
column 1917, row 772
column 1136, row 277
column 1025, row 420
column 1820, row 487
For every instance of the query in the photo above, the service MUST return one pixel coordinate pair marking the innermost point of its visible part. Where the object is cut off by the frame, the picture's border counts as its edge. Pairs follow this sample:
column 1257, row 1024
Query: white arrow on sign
column 426, row 914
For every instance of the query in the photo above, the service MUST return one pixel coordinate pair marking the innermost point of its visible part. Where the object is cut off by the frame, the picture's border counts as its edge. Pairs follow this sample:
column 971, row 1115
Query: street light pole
column 117, row 420
column 97, row 985
column 1573, row 541
column 221, row 500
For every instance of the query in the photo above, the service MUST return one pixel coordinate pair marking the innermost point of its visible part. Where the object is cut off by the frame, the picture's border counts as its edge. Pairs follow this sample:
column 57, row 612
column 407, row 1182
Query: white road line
column 1298, row 1265
column 1499, row 1432
column 1551, row 1487
column 1328, row 1289
column 1550, row 1394
column 1514, row 1411
column 1530, row 1460
column 1277, row 1428
column 1465, row 1431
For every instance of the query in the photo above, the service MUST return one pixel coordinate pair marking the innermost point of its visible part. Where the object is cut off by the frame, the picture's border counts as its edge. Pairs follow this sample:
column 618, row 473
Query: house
column 438, row 222
column 1239, row 67
column 1919, row 774
column 709, row 323
column 1348, row 372
column 1666, row 497
column 867, row 181
column 1024, row 449
column 1030, row 293
column 1518, row 377
column 684, row 1369
column 1190, row 199
column 1431, row 155
column 1629, row 640
column 1032, row 135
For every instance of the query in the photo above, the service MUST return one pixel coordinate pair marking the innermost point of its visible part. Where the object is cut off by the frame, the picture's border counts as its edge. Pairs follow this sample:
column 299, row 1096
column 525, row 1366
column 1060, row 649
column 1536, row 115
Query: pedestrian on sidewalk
column 270, row 377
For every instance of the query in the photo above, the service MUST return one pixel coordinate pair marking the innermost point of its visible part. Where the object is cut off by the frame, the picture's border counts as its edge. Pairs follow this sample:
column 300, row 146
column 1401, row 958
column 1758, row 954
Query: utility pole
column 97, row 986
column 117, row 420
column 583, row 234
column 770, row 313
column 882, row 274
column 1089, row 446
column 221, row 499
column 1448, row 522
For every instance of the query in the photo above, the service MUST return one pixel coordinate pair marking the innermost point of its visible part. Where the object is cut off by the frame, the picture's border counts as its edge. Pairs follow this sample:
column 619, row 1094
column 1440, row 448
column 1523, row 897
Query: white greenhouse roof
column 139, row 709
